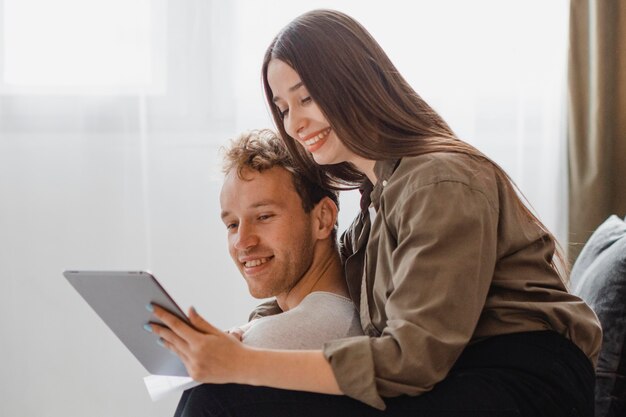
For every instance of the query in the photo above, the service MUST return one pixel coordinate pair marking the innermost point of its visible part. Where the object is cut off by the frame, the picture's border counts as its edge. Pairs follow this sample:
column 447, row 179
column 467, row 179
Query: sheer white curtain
column 111, row 116
column 111, row 113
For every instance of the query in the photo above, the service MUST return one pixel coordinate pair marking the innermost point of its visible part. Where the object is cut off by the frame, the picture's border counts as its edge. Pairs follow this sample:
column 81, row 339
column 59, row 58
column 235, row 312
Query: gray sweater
column 319, row 318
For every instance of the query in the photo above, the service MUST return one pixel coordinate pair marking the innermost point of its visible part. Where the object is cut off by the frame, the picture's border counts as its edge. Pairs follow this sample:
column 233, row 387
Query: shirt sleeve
column 440, row 259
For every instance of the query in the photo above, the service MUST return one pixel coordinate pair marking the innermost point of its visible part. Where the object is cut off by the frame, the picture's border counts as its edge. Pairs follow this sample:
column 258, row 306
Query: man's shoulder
column 328, row 314
column 320, row 317
column 321, row 298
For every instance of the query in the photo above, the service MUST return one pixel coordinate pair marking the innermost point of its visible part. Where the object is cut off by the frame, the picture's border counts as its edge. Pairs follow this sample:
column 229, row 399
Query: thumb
column 201, row 324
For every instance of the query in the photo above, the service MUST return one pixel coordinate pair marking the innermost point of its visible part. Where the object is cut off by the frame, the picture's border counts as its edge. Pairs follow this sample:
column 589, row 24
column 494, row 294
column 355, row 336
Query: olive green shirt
column 439, row 258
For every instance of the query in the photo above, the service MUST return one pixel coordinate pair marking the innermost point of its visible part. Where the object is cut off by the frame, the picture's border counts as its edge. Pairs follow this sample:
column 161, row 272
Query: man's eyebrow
column 264, row 203
column 291, row 89
column 256, row 205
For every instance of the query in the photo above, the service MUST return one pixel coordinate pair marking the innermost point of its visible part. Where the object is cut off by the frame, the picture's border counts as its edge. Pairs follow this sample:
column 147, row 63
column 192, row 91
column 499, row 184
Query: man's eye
column 265, row 216
column 231, row 226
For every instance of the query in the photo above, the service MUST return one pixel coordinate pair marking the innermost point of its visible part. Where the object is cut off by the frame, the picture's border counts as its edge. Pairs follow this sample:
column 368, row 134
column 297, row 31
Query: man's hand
column 236, row 332
column 209, row 354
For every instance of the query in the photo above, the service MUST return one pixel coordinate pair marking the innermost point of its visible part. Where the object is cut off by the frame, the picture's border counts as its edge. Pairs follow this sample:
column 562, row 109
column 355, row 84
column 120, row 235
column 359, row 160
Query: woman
column 463, row 306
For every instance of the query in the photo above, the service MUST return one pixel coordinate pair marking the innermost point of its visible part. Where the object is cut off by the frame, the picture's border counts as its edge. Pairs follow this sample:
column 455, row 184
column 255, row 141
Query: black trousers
column 529, row 374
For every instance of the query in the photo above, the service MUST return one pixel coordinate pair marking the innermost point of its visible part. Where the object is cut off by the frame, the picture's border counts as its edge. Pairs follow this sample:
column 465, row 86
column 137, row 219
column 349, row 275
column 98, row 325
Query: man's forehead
column 275, row 177
column 253, row 189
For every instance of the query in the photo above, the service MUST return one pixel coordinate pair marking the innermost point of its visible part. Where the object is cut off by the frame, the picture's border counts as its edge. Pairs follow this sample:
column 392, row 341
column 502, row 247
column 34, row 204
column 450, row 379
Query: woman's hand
column 213, row 356
column 209, row 354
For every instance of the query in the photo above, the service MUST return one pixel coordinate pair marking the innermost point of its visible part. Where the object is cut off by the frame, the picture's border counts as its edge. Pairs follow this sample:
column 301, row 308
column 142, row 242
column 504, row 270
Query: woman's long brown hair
column 372, row 109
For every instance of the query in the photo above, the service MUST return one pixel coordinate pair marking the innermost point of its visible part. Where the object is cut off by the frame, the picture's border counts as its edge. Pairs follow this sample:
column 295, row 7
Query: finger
column 201, row 324
column 237, row 334
column 174, row 349
column 168, row 336
column 175, row 324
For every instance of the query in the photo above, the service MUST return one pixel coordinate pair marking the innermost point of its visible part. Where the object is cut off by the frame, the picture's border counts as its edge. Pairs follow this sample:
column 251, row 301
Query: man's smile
column 256, row 262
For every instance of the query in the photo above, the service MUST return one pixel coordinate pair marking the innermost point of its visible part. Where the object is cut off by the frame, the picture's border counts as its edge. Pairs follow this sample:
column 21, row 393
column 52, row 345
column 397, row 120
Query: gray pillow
column 599, row 278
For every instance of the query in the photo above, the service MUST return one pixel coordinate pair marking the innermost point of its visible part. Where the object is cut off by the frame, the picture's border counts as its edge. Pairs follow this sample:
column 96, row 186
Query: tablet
column 120, row 299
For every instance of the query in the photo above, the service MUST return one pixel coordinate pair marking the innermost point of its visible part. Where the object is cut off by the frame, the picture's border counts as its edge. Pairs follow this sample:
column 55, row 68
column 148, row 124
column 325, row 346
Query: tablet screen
column 120, row 299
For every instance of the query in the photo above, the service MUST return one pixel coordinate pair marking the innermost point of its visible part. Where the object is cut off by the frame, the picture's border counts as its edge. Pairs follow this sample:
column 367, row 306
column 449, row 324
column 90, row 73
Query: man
column 281, row 231
column 282, row 236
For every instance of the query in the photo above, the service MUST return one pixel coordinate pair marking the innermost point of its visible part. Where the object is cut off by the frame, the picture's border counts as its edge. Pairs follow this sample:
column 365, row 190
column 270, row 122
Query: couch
column 599, row 278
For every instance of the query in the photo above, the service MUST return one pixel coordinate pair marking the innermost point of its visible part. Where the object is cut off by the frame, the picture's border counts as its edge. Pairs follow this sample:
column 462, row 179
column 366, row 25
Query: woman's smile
column 316, row 140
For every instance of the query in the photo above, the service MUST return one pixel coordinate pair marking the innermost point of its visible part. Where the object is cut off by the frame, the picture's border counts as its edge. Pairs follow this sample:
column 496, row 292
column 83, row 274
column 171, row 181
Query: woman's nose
column 295, row 123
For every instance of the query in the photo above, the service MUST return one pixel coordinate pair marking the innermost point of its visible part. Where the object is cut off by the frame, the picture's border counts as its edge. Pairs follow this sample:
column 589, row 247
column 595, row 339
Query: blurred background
column 112, row 114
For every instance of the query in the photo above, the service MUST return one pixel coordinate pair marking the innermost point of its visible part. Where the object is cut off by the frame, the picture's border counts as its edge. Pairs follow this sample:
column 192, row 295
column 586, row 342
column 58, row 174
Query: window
column 82, row 47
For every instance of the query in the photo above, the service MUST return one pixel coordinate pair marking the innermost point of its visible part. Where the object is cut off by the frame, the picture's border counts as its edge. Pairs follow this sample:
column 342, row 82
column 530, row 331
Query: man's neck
column 325, row 274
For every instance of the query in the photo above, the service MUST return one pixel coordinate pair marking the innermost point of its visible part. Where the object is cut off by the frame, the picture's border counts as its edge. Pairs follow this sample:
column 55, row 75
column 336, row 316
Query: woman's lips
column 315, row 141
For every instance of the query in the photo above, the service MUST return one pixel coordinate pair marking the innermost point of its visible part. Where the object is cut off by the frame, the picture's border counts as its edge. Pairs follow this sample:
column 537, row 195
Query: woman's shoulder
column 422, row 170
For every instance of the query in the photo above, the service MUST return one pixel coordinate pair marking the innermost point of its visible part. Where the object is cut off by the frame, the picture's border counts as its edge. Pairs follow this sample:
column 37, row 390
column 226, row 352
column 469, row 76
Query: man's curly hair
column 260, row 150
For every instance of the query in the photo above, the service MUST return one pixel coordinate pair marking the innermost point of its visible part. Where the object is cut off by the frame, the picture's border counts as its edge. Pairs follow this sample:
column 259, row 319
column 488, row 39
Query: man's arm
column 212, row 356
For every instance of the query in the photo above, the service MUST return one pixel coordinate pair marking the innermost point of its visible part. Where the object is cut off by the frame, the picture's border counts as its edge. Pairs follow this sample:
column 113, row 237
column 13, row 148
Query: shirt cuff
column 353, row 365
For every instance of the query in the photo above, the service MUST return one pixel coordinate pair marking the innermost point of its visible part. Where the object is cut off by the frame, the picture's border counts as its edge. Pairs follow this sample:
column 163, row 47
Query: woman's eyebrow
column 291, row 89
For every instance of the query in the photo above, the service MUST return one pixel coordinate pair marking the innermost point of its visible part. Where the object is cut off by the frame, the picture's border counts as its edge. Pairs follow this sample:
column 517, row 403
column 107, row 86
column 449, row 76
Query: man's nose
column 246, row 237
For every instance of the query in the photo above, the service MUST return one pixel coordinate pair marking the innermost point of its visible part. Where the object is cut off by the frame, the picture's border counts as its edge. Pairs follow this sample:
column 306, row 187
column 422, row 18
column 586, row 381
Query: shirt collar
column 370, row 194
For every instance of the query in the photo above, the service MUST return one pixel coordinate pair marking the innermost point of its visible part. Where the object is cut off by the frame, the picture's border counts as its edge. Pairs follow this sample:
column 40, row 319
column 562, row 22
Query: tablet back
column 120, row 299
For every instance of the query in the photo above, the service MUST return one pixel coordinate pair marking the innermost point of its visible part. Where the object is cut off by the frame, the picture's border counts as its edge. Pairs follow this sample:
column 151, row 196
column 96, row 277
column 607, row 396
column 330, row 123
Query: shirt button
column 384, row 183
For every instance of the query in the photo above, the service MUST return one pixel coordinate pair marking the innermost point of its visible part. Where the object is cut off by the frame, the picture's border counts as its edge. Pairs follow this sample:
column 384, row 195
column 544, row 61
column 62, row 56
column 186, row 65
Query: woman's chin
column 322, row 159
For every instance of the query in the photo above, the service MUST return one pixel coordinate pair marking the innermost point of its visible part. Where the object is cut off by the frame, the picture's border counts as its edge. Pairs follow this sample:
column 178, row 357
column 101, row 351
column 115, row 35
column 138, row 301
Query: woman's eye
column 306, row 99
column 283, row 113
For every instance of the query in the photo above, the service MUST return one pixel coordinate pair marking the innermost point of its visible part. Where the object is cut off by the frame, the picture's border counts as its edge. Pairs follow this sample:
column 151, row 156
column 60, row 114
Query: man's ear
column 324, row 217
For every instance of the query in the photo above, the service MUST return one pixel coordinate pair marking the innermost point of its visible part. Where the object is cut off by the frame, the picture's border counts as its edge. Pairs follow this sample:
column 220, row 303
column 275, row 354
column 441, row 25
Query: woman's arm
column 302, row 370
column 212, row 356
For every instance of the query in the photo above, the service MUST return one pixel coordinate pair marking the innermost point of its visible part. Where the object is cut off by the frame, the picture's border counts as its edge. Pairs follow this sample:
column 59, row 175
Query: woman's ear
column 325, row 218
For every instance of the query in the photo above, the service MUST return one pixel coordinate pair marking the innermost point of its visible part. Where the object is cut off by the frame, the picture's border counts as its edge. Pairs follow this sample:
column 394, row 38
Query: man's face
column 270, row 237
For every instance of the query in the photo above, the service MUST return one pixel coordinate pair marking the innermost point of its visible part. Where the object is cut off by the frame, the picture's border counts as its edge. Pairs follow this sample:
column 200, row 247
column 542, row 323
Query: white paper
column 160, row 386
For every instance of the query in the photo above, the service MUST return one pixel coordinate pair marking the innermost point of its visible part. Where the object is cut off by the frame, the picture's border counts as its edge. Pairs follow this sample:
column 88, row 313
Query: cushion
column 599, row 278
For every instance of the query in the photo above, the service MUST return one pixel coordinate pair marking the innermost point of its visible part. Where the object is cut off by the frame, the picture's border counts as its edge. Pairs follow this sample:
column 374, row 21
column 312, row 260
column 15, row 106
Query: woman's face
column 302, row 118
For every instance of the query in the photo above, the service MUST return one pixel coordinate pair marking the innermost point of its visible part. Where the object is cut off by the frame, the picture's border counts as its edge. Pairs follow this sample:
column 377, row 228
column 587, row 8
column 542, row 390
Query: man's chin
column 260, row 292
column 261, row 295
